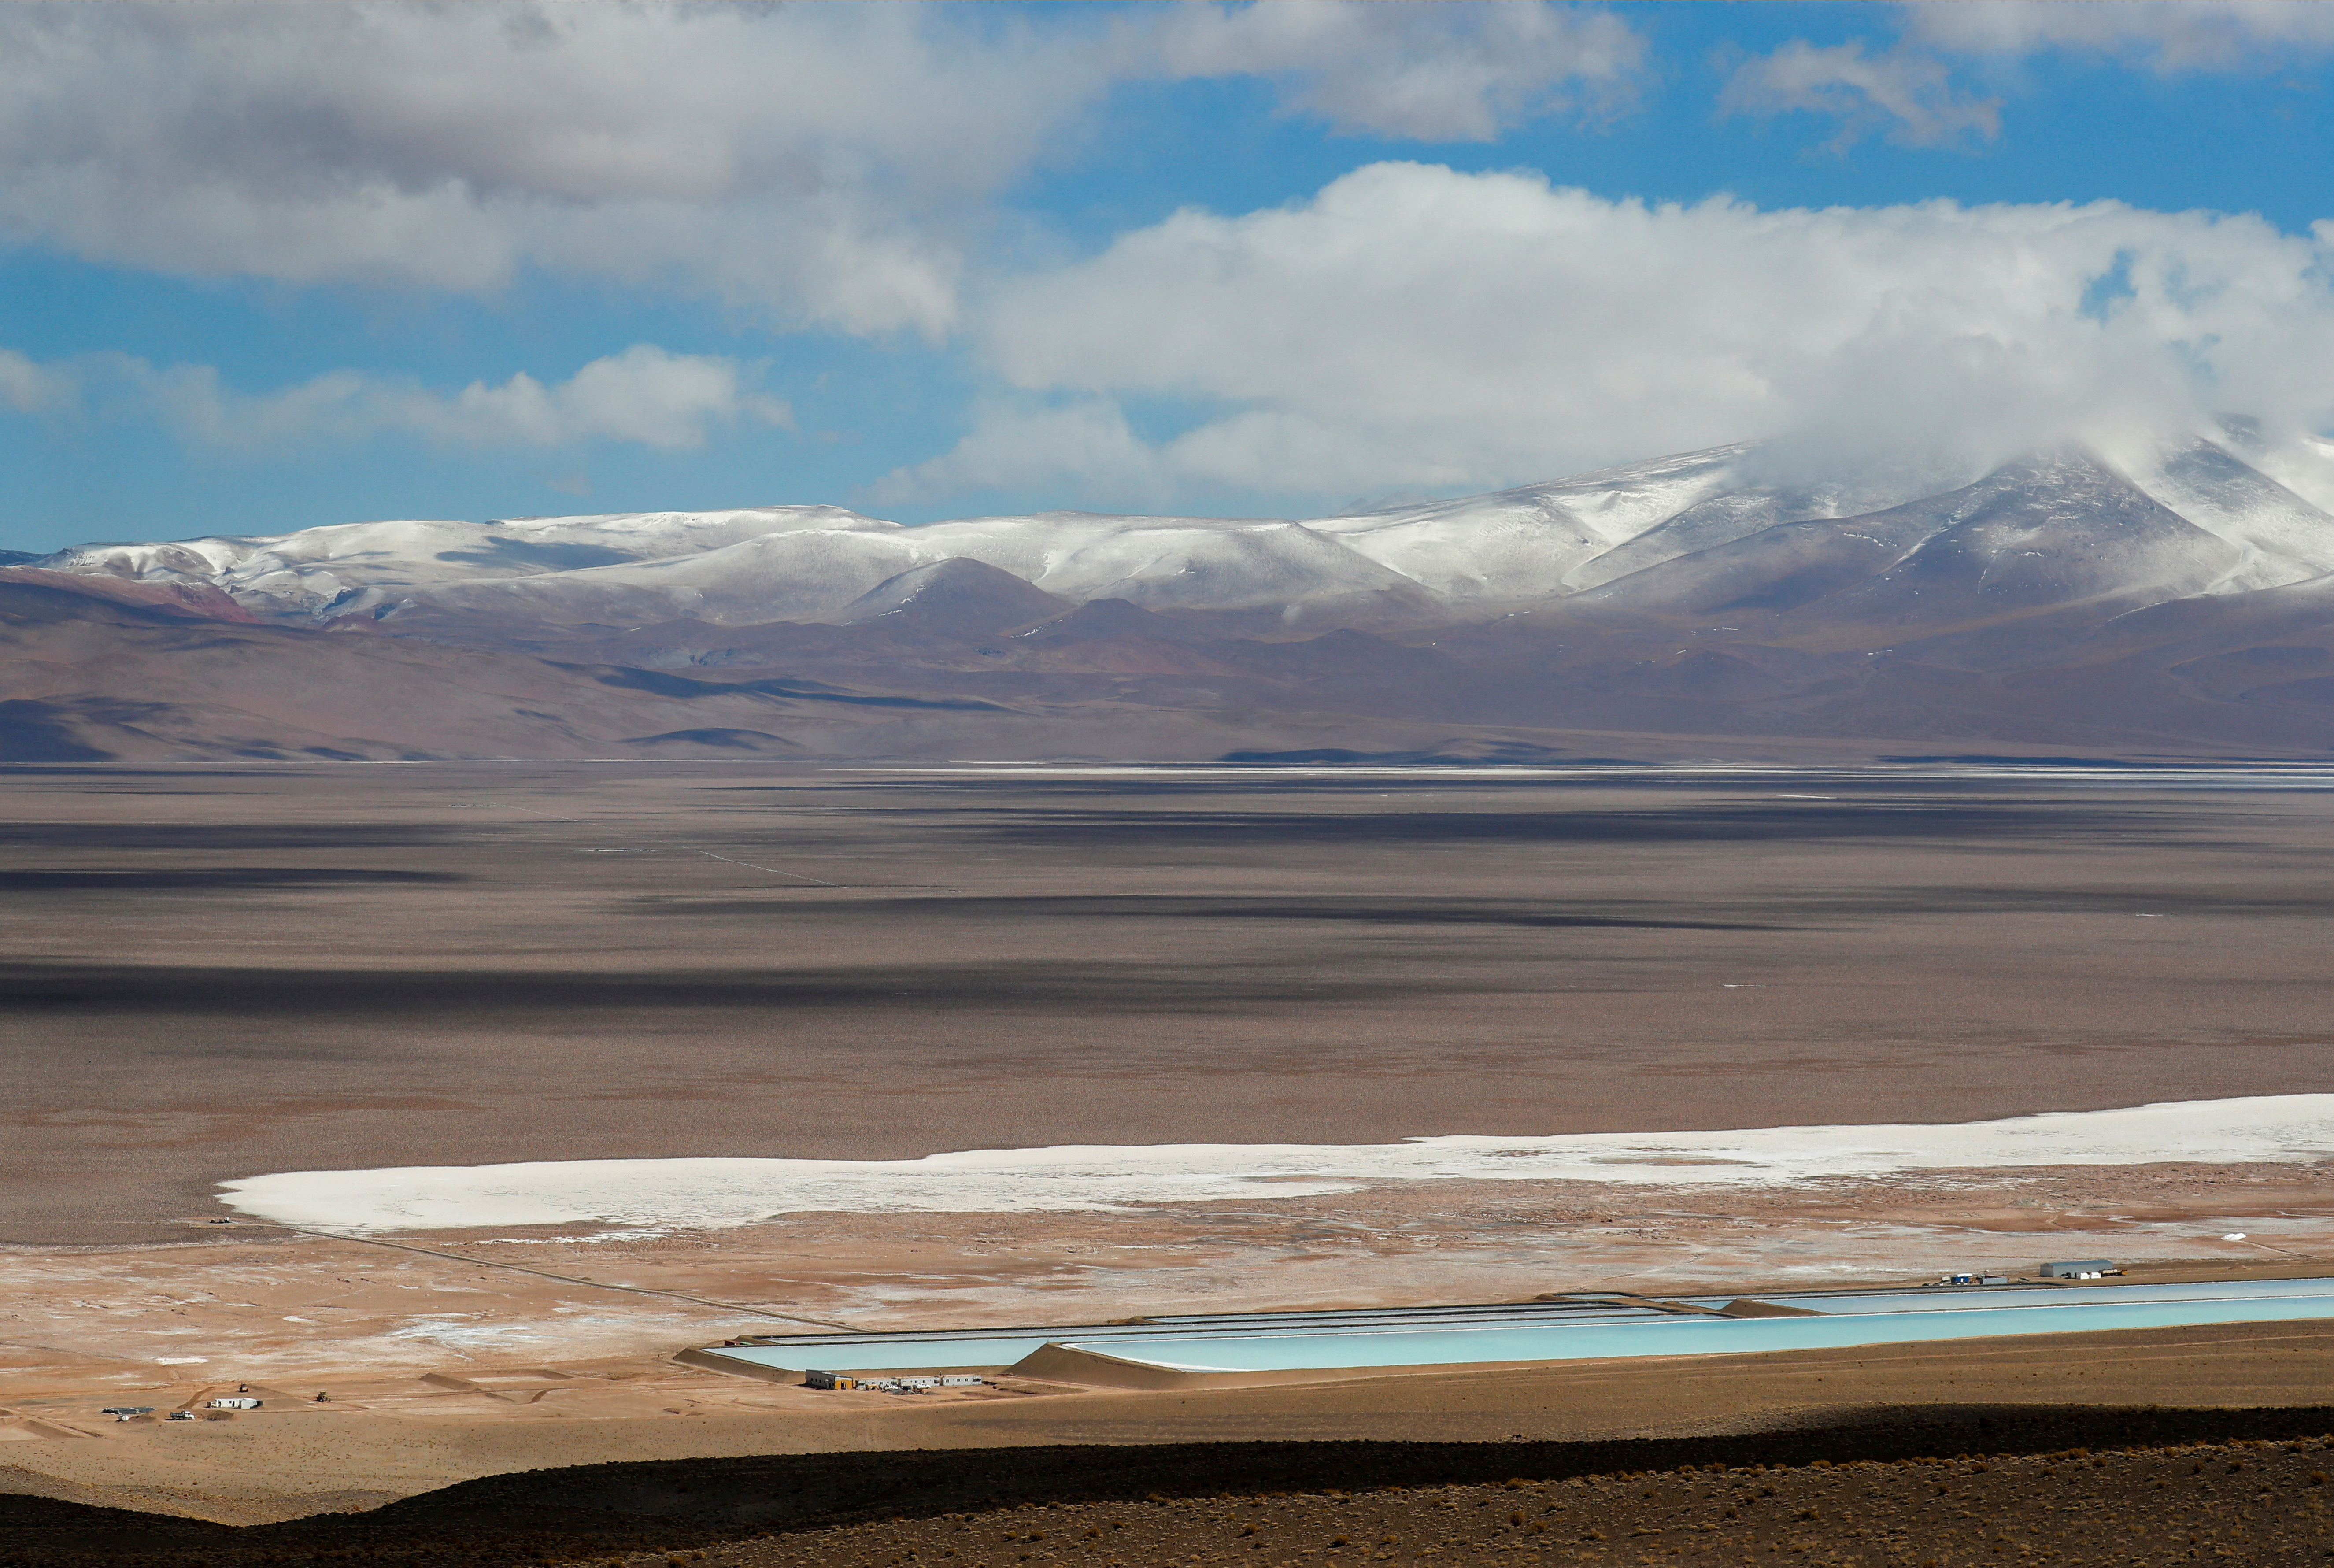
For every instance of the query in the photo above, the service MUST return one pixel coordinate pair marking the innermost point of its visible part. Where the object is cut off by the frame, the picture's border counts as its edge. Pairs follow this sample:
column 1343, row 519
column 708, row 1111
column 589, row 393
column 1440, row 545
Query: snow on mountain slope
column 1263, row 566
column 1737, row 513
column 2304, row 465
column 288, row 574
column 813, row 573
column 2057, row 529
column 650, row 534
column 316, row 570
column 1170, row 562
column 957, row 594
column 1531, row 543
column 804, row 574
column 2280, row 537
column 1727, row 525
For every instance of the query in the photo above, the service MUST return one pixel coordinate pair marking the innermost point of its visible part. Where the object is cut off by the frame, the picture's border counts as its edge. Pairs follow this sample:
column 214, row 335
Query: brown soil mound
column 190, row 601
column 1944, row 1487
column 2255, row 1503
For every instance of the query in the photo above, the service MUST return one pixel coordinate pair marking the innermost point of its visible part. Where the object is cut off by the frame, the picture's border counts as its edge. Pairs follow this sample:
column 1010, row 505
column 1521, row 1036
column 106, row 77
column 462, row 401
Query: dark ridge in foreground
column 1938, row 1486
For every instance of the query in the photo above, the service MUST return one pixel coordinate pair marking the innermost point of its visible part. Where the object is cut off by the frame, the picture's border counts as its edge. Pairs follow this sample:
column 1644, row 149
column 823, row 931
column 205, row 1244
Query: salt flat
column 216, row 973
column 223, row 973
column 715, row 1193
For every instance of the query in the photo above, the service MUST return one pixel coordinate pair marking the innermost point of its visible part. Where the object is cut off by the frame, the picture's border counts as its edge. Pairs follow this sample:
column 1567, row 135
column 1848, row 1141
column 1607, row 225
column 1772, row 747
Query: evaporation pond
column 1684, row 1336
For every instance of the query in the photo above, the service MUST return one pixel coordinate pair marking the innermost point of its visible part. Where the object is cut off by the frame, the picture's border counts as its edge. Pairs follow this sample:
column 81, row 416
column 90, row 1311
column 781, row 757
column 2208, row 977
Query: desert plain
column 219, row 971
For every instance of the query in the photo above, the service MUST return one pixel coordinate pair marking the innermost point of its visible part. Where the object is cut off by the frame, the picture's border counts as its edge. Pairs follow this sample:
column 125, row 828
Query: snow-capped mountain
column 2172, row 595
column 1698, row 531
column 322, row 571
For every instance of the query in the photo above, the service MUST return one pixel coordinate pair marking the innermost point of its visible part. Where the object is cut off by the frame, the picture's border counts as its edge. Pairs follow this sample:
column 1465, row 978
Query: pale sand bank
column 397, row 1440
column 443, row 1363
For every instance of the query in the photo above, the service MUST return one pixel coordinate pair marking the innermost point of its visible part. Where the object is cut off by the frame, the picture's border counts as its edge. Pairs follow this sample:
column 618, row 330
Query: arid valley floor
column 216, row 972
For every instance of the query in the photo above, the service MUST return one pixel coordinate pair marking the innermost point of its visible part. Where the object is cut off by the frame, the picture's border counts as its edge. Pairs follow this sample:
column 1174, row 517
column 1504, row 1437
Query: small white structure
column 2080, row 1268
column 235, row 1402
column 910, row 1384
column 126, row 1412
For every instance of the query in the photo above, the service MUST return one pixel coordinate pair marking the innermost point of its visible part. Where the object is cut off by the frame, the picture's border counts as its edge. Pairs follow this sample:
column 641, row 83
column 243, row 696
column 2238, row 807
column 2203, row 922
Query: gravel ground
column 2254, row 1503
column 1932, row 1489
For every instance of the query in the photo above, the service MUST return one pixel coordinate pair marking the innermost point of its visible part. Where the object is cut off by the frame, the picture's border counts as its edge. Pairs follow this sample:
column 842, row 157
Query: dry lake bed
column 219, row 972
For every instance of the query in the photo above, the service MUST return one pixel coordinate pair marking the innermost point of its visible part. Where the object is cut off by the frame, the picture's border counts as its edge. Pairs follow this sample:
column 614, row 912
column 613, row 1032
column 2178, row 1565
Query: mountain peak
column 1739, row 525
column 957, row 595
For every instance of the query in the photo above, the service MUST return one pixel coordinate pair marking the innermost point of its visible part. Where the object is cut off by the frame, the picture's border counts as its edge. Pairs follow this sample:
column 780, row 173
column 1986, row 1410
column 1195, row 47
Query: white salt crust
column 714, row 1192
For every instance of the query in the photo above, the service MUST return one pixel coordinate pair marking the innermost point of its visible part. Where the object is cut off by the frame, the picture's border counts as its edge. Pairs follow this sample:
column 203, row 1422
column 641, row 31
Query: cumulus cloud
column 1411, row 327
column 644, row 395
column 1910, row 93
column 1086, row 442
column 2170, row 36
column 29, row 387
column 1911, row 90
column 826, row 163
column 775, row 156
column 1424, row 69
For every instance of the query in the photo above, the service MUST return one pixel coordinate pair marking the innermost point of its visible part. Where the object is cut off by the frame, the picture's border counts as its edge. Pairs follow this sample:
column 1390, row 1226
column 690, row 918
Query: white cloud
column 1415, row 328
column 29, row 387
column 2168, row 35
column 810, row 157
column 825, row 162
column 644, row 395
column 1911, row 88
column 1913, row 92
column 1085, row 441
column 1425, row 69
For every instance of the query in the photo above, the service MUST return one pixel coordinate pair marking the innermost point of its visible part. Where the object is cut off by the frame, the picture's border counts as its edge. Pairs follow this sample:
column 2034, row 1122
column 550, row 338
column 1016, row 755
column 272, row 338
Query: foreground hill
column 1942, row 1486
column 2180, row 601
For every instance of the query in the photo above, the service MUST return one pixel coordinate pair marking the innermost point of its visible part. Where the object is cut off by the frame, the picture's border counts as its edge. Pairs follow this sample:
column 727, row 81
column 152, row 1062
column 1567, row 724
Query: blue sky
column 928, row 262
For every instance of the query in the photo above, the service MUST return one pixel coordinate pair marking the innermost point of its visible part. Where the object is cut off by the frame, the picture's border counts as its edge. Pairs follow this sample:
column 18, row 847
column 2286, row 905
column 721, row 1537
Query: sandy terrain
column 387, row 1438
column 217, row 973
column 2265, row 1503
column 448, row 1362
column 257, row 1303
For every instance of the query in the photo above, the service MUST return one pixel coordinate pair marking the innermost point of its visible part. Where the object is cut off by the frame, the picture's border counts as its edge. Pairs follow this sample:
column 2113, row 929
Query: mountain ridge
column 2180, row 596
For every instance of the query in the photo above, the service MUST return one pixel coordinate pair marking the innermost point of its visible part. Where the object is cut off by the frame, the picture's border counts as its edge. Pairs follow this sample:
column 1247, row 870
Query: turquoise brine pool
column 1686, row 1336
column 902, row 1350
column 1577, row 1328
column 973, row 1354
column 1932, row 1298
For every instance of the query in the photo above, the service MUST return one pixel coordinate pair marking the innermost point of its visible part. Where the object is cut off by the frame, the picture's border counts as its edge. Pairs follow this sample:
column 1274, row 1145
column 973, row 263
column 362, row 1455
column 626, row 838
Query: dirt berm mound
column 593, row 1511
